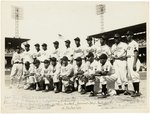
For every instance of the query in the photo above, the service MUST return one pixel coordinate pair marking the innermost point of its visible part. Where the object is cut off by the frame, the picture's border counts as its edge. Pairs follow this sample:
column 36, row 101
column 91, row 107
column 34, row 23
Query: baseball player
column 119, row 52
column 44, row 54
column 56, row 53
column 46, row 76
column 27, row 54
column 37, row 74
column 66, row 74
column 28, row 76
column 90, row 72
column 79, row 71
column 17, row 66
column 36, row 54
column 68, row 51
column 104, row 48
column 78, row 51
column 133, row 63
column 90, row 47
column 55, row 73
column 106, row 74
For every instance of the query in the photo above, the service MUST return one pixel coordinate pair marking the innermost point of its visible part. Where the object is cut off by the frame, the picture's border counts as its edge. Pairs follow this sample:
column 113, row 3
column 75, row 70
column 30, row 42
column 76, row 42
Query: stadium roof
column 12, row 42
column 122, row 31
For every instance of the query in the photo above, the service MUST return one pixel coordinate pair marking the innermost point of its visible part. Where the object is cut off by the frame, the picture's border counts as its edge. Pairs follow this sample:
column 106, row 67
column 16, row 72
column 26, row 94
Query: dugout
column 10, row 45
column 139, row 31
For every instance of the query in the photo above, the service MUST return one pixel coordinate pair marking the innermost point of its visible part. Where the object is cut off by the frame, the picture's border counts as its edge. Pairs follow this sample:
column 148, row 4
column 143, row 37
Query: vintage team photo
column 75, row 56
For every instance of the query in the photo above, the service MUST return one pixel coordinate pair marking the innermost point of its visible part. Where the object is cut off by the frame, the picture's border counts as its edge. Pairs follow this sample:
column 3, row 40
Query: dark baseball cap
column 56, row 42
column 78, row 59
column 89, row 38
column 77, row 39
column 129, row 33
column 27, row 63
column 46, row 61
column 53, row 59
column 90, row 54
column 36, row 61
column 27, row 45
column 38, row 45
column 103, row 56
column 68, row 41
column 65, row 58
column 44, row 44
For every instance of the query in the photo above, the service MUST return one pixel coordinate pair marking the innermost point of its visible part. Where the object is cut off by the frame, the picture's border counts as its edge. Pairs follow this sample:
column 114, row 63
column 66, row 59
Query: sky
column 43, row 21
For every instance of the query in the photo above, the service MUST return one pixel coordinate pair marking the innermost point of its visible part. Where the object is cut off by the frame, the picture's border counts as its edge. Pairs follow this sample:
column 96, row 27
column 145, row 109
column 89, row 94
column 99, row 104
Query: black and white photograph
column 74, row 56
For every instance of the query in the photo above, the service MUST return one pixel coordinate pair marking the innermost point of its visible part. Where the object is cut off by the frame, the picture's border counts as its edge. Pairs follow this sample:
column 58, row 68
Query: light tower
column 100, row 10
column 17, row 14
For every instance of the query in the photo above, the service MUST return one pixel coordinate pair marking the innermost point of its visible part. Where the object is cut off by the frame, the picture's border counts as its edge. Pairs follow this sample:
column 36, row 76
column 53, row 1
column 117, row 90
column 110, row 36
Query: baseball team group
column 93, row 69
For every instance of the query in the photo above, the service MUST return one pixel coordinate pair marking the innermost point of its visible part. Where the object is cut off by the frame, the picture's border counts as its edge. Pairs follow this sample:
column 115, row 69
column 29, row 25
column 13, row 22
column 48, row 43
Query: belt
column 18, row 63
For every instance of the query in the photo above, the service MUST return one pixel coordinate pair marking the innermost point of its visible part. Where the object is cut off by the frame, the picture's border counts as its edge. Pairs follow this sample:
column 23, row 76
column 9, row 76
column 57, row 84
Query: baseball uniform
column 68, row 53
column 27, row 56
column 134, row 75
column 44, row 55
column 90, row 49
column 120, row 65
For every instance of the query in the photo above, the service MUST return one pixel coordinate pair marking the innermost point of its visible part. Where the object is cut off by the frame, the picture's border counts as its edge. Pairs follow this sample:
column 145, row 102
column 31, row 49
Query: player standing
column 56, row 53
column 17, row 67
column 36, row 54
column 133, row 62
column 119, row 52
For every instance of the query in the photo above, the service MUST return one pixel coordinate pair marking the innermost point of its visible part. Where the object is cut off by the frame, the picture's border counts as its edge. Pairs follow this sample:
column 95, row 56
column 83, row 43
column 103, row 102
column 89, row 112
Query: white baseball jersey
column 133, row 45
column 27, row 56
column 66, row 70
column 106, row 67
column 37, row 55
column 17, row 57
column 37, row 71
column 44, row 54
column 27, row 72
column 105, row 49
column 55, row 72
column 81, row 68
column 45, row 71
column 90, row 49
column 91, row 67
column 56, row 53
column 119, row 50
column 78, row 52
column 68, row 53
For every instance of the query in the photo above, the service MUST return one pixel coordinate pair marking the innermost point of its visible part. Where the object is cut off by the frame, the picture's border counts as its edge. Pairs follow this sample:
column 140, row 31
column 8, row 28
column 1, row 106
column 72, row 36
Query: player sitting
column 79, row 74
column 66, row 74
column 37, row 74
column 47, row 80
column 105, row 72
column 28, row 77
column 55, row 73
column 91, row 65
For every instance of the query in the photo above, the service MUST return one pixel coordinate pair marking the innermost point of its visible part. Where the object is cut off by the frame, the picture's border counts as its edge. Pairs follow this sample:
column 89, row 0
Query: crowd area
column 79, row 69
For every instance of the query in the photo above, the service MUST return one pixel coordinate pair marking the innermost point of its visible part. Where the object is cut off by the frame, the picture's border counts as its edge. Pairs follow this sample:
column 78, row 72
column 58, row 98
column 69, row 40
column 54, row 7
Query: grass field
column 18, row 100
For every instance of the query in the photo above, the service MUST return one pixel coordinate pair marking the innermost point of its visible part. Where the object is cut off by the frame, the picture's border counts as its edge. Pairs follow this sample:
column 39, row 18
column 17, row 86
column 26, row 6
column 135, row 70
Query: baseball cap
column 65, row 58
column 117, row 35
column 78, row 59
column 44, row 44
column 27, row 45
column 36, row 61
column 53, row 59
column 68, row 41
column 89, row 38
column 103, row 56
column 90, row 54
column 38, row 45
column 77, row 39
column 129, row 33
column 46, row 61
column 56, row 42
column 27, row 63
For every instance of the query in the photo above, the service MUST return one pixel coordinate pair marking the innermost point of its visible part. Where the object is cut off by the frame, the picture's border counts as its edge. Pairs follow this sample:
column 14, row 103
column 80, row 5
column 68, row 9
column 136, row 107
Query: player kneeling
column 55, row 73
column 28, row 77
column 66, row 74
column 79, row 71
column 37, row 74
column 46, row 78
column 105, row 73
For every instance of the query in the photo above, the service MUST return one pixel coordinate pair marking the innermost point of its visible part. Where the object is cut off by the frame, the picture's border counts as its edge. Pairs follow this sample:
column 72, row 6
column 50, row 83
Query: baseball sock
column 134, row 86
column 104, row 89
